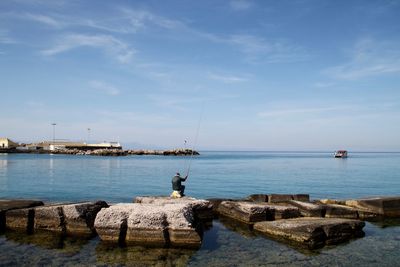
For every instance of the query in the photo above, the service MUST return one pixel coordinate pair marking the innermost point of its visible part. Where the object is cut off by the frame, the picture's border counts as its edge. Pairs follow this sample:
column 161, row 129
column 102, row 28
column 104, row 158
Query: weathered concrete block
column 312, row 232
column 302, row 197
column 340, row 211
column 147, row 224
column 258, row 198
column 216, row 202
column 49, row 218
column 282, row 211
column 202, row 209
column 20, row 219
column 11, row 204
column 247, row 212
column 111, row 223
column 181, row 230
column 385, row 206
column 79, row 218
column 331, row 201
column 277, row 198
column 308, row 209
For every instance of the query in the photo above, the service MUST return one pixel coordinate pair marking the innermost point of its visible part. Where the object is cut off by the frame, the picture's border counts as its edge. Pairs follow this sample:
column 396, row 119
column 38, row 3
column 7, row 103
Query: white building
column 7, row 143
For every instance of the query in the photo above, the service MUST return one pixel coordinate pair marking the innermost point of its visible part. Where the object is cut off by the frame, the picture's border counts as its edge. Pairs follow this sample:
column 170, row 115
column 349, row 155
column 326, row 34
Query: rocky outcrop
column 149, row 224
column 173, row 152
column 279, row 198
column 49, row 218
column 312, row 232
column 340, row 211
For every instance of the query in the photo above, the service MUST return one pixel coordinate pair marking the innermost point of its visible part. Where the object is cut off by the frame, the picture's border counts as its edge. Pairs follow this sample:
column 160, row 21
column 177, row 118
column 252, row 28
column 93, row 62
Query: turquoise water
column 213, row 174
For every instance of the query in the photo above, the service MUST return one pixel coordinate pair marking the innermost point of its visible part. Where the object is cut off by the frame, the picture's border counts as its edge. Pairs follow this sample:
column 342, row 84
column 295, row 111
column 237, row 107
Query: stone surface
column 11, row 204
column 276, row 198
column 79, row 218
column 247, row 212
column 312, row 232
column 308, row 209
column 385, row 206
column 302, row 197
column 202, row 209
column 49, row 218
column 20, row 219
column 111, row 223
column 147, row 224
column 258, row 198
column 340, row 211
column 331, row 201
column 251, row 212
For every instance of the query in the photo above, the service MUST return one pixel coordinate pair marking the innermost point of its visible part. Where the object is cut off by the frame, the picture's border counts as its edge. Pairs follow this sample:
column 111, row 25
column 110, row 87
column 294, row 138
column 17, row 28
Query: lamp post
column 88, row 135
column 54, row 132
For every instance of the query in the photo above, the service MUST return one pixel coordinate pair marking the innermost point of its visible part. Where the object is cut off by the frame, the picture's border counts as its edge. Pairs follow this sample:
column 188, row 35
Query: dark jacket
column 177, row 182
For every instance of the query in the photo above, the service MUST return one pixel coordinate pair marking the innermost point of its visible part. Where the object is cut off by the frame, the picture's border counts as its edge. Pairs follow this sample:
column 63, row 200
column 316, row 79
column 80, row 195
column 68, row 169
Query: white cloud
column 43, row 19
column 5, row 38
column 369, row 58
column 227, row 78
column 104, row 87
column 120, row 50
column 240, row 4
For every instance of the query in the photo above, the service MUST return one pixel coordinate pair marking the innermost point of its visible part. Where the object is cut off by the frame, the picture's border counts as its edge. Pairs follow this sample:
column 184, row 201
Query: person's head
column 178, row 174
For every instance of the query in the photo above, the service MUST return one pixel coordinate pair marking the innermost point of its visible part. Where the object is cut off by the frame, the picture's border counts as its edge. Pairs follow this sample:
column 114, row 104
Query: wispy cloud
column 323, row 84
column 104, row 87
column 108, row 43
column 369, row 58
column 227, row 78
column 258, row 49
column 5, row 38
column 240, row 4
column 50, row 21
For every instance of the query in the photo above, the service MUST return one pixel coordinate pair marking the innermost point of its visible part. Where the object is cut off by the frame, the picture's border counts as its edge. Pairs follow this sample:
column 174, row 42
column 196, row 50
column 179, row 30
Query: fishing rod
column 195, row 140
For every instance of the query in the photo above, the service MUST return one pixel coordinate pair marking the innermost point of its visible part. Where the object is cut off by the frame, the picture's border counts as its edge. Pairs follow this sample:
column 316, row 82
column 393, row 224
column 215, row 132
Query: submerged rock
column 312, row 232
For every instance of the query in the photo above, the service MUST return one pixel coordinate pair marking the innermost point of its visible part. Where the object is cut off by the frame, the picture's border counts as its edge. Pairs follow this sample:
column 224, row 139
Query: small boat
column 341, row 154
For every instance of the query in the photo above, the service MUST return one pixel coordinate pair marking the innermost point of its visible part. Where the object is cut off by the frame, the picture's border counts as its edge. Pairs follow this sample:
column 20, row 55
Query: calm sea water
column 213, row 174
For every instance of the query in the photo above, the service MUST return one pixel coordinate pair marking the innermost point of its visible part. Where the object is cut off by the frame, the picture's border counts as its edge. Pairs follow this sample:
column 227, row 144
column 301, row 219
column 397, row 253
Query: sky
column 241, row 75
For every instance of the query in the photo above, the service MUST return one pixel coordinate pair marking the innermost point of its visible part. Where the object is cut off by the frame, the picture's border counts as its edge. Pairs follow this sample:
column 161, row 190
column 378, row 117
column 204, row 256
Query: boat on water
column 341, row 154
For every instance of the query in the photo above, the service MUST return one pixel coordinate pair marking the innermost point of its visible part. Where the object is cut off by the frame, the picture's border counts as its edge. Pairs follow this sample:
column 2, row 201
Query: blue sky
column 271, row 75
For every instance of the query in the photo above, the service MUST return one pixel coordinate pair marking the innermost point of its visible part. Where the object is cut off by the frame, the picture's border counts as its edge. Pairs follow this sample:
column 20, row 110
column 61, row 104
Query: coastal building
column 6, row 143
column 58, row 145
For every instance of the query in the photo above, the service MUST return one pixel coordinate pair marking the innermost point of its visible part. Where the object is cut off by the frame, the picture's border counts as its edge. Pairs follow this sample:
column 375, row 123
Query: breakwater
column 164, row 221
column 107, row 152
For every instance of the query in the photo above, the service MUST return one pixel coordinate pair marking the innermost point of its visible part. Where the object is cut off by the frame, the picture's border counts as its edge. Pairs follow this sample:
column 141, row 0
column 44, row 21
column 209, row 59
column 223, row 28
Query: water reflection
column 3, row 174
column 142, row 256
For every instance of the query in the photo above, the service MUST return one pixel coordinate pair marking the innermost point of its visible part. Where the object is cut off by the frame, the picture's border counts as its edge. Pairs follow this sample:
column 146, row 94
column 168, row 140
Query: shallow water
column 214, row 174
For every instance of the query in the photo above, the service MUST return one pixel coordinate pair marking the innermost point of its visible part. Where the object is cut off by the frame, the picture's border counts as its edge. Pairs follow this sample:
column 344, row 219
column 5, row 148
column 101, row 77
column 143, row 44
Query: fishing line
column 195, row 140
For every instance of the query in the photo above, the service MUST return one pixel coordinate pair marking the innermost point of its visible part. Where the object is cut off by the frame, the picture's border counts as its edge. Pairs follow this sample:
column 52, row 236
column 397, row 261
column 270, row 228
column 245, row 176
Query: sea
column 213, row 174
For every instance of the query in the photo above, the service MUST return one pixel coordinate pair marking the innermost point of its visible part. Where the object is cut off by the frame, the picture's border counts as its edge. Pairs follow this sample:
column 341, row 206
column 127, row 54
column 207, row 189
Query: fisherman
column 177, row 187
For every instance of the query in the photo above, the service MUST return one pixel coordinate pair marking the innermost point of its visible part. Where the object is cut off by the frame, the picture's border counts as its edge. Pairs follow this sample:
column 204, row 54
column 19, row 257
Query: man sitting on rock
column 177, row 186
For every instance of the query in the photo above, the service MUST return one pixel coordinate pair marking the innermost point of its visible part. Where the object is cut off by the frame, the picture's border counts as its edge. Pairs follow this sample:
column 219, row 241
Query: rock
column 111, row 223
column 216, row 202
column 282, row 211
column 181, row 228
column 258, row 198
column 276, row 198
column 302, row 197
column 247, row 212
column 312, row 232
column 11, row 204
column 308, row 209
column 331, row 201
column 20, row 219
column 385, row 206
column 340, row 211
column 79, row 218
column 147, row 224
column 202, row 209
column 49, row 218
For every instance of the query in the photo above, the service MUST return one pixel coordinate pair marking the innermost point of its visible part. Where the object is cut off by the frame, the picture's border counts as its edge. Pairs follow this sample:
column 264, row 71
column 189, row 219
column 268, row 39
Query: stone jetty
column 159, row 221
